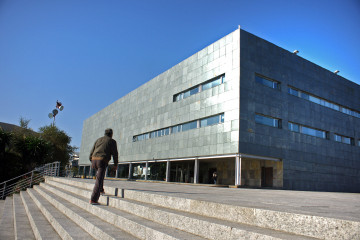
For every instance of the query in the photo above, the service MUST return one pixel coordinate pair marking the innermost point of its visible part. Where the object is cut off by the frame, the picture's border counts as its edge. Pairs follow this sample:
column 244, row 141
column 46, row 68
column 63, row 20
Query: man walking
column 100, row 155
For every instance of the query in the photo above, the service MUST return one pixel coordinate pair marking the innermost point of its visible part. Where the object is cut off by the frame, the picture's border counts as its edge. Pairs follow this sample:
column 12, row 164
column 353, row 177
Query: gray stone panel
column 310, row 163
column 150, row 107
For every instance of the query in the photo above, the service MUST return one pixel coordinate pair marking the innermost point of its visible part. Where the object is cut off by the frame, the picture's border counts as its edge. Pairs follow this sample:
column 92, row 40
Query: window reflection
column 201, row 87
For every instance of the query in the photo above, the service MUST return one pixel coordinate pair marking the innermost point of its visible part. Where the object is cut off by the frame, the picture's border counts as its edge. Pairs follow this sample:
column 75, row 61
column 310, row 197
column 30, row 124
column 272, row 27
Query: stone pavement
column 344, row 206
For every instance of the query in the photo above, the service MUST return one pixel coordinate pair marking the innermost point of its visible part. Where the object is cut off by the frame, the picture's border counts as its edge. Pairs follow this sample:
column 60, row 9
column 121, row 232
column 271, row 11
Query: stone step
column 96, row 227
column 2, row 203
column 137, row 226
column 63, row 225
column 294, row 223
column 22, row 227
column 199, row 225
column 41, row 227
column 7, row 221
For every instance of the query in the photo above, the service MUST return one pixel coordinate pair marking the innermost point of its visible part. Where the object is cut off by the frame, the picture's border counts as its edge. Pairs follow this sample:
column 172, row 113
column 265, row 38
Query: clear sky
column 87, row 53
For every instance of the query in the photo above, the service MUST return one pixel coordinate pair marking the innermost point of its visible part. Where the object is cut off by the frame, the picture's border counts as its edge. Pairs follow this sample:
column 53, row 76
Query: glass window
column 304, row 95
column 186, row 94
column 212, row 83
column 323, row 102
column 308, row 131
column 272, row 122
column 327, row 104
column 209, row 121
column 337, row 138
column 313, row 132
column 153, row 134
column 222, row 118
column 178, row 97
column 194, row 91
column 346, row 140
column 188, row 126
column 267, row 82
column 176, row 129
column 293, row 92
column 347, row 111
column 293, row 127
column 314, row 99
column 335, row 107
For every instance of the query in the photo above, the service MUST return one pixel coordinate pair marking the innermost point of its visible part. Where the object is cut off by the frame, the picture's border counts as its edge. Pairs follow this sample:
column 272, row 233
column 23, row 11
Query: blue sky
column 87, row 53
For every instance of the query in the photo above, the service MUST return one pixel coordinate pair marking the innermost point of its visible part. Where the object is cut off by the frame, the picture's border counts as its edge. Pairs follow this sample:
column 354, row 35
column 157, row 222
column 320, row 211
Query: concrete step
column 22, row 227
column 41, row 227
column 96, row 227
column 7, row 221
column 139, row 227
column 2, row 203
column 193, row 223
column 63, row 225
column 294, row 223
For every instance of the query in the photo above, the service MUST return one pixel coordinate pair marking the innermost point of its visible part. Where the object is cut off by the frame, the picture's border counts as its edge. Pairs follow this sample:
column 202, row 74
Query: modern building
column 254, row 113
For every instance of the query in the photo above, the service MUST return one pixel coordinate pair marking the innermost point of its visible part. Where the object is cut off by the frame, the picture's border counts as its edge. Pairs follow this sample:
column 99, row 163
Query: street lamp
column 55, row 111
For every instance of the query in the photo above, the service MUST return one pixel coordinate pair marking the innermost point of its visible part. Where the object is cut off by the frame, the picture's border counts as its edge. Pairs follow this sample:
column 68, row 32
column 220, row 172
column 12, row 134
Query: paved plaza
column 344, row 206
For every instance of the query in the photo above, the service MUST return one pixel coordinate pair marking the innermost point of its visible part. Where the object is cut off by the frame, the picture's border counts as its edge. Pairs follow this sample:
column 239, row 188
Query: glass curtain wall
column 157, row 171
column 138, row 171
column 182, row 171
column 123, row 171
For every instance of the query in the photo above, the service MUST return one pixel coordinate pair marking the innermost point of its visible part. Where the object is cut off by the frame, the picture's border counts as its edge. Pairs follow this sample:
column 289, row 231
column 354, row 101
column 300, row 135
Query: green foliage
column 24, row 123
column 23, row 150
column 5, row 138
column 33, row 150
column 10, row 165
column 60, row 144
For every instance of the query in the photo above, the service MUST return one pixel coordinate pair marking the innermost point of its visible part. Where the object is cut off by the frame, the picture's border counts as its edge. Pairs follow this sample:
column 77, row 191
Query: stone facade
column 309, row 163
column 151, row 107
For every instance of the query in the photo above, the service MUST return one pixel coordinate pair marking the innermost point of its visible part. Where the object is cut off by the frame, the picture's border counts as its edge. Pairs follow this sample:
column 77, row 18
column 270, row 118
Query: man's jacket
column 103, row 148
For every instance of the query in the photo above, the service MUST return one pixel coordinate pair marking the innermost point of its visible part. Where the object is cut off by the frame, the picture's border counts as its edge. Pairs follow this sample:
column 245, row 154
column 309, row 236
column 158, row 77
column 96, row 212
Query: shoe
column 94, row 203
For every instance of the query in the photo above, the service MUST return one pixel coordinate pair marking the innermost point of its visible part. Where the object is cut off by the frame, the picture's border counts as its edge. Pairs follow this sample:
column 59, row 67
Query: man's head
column 108, row 132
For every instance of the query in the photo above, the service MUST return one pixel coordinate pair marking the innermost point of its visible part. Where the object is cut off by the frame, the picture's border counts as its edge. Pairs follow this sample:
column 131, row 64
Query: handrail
column 29, row 179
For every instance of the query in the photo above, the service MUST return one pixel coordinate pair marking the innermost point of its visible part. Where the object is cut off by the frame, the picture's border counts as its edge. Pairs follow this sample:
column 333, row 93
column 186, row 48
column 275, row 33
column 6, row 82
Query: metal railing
column 29, row 179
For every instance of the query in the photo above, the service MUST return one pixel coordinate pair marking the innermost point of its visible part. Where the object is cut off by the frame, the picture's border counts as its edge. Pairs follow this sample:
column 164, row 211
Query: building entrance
column 211, row 175
column 261, row 173
column 267, row 176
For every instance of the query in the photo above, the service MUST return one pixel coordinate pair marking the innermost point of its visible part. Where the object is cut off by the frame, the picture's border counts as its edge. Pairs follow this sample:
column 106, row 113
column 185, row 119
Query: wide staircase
column 59, row 209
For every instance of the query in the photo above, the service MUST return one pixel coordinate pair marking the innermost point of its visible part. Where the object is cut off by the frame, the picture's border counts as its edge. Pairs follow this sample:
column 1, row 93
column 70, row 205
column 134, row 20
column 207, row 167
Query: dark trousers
column 100, row 166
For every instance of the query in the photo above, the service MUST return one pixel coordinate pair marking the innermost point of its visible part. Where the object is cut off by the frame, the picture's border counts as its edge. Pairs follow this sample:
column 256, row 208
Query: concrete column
column 238, row 170
column 130, row 167
column 168, row 171
column 146, row 170
column 107, row 171
column 117, row 171
column 196, row 171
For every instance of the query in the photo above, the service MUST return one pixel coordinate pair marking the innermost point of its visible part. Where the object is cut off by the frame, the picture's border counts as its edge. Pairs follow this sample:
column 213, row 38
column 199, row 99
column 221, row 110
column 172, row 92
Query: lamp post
column 55, row 111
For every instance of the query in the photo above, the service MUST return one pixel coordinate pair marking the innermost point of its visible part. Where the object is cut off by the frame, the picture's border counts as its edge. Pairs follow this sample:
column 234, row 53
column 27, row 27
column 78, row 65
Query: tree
column 22, row 149
column 33, row 150
column 9, row 160
column 60, row 144
column 5, row 138
column 24, row 123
